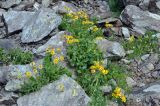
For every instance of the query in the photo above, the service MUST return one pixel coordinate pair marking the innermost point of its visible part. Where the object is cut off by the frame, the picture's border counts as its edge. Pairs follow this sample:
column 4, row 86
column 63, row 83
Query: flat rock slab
column 8, row 44
column 16, row 20
column 134, row 16
column 53, row 95
column 40, row 25
column 10, row 3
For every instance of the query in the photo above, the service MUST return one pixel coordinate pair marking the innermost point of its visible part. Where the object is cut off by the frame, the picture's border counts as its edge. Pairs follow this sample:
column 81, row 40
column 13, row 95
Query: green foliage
column 142, row 45
column 15, row 56
column 48, row 74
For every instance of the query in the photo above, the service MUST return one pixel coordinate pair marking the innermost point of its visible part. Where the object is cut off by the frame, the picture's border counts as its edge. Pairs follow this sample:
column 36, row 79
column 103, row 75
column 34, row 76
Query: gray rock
column 44, row 21
column 60, row 7
column 46, row 3
column 70, row 94
column 9, row 3
column 130, row 82
column 16, row 20
column 144, row 57
column 8, row 44
column 7, row 98
column 156, row 35
column 2, row 11
column 111, row 103
column 147, row 96
column 56, row 41
column 117, row 30
column 158, row 4
column 125, row 32
column 111, row 49
column 134, row 16
column 145, row 4
column 2, row 32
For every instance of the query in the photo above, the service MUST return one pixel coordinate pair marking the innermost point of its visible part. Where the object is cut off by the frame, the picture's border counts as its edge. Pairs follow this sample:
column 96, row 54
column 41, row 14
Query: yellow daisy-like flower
column 56, row 60
column 123, row 98
column 101, row 68
column 93, row 67
column 59, row 49
column 105, row 72
column 108, row 25
column 28, row 74
column 32, row 64
column 131, row 39
column 62, row 58
column 40, row 66
column 93, row 71
column 52, row 52
column 117, row 90
column 95, row 28
column 35, row 71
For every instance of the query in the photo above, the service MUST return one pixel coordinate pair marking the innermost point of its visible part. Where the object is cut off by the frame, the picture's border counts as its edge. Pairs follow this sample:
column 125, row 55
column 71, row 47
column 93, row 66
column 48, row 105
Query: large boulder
column 9, row 3
column 63, row 92
column 40, row 25
column 111, row 49
column 16, row 20
column 135, row 17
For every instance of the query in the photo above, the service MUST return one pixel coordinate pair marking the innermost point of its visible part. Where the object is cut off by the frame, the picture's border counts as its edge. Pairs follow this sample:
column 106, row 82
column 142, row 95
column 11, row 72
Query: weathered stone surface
column 130, row 82
column 46, row 3
column 16, row 20
column 9, row 3
column 8, row 44
column 61, row 7
column 111, row 49
column 125, row 32
column 148, row 96
column 53, row 94
column 106, row 89
column 2, row 11
column 158, row 4
column 56, row 41
column 44, row 21
column 134, row 16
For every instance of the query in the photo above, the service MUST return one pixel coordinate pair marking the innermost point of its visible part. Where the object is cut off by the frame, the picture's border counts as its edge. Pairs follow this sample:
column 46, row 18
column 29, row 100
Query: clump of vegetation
column 44, row 74
column 15, row 56
column 142, row 45
column 87, row 58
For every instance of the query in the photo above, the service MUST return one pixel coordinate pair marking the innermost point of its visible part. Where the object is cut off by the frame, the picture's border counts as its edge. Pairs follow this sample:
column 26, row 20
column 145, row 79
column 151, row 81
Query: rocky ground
column 32, row 25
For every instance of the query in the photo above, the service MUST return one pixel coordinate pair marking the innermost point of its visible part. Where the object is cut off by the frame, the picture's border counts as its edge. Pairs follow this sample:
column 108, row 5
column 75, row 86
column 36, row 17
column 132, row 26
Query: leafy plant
column 49, row 73
column 142, row 45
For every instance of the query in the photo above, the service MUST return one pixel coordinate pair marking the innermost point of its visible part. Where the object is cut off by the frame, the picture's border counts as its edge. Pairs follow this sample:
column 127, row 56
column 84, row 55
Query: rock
column 53, row 95
column 111, row 103
column 44, row 21
column 7, row 98
column 8, row 44
column 117, row 31
column 2, row 11
column 9, row 3
column 56, row 41
column 16, row 20
column 147, row 96
column 158, row 4
column 106, row 89
column 125, row 32
column 153, row 88
column 125, row 61
column 145, row 4
column 46, row 3
column 2, row 32
column 134, row 16
column 60, row 7
column 111, row 49
column 156, row 35
column 144, row 57
column 130, row 82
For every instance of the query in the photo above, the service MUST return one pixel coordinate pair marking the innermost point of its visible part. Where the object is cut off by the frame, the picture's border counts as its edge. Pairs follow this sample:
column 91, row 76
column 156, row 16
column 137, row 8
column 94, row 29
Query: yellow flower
column 101, row 68
column 117, row 90
column 32, row 64
column 99, row 38
column 95, row 28
column 107, row 25
column 123, row 98
column 40, row 66
column 67, row 8
column 52, row 52
column 62, row 58
column 35, row 71
column 56, row 60
column 131, row 39
column 93, row 67
column 105, row 72
column 87, row 22
column 59, row 49
column 93, row 71
column 28, row 74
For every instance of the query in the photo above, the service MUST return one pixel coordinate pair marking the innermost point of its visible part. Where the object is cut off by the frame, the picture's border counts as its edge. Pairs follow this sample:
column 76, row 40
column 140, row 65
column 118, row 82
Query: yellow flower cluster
column 94, row 28
column 28, row 74
column 76, row 15
column 70, row 39
column 107, row 25
column 57, row 59
column 98, row 67
column 35, row 68
column 87, row 22
column 117, row 93
column 131, row 39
